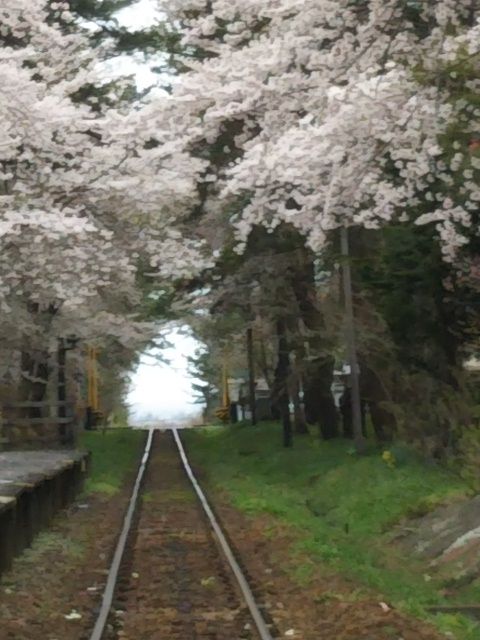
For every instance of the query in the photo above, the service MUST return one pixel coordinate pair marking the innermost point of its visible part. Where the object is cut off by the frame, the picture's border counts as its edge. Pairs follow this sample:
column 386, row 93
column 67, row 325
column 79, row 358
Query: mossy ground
column 115, row 454
column 340, row 507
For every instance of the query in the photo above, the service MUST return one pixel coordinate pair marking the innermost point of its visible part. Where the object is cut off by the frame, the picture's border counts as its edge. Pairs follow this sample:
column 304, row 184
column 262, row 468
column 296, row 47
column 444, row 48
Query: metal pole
column 360, row 444
column 61, row 389
column 282, row 374
column 251, row 377
column 96, row 404
column 226, row 391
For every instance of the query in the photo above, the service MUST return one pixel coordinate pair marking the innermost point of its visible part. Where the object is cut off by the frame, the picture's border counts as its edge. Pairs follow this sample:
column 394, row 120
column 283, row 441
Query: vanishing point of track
column 174, row 575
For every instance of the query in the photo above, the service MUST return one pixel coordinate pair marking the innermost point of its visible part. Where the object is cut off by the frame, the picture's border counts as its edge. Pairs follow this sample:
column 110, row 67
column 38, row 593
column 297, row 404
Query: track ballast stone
column 175, row 583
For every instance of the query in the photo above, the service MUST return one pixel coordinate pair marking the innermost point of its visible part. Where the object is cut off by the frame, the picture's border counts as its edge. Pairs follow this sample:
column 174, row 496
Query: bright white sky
column 138, row 16
column 164, row 391
column 161, row 391
column 142, row 14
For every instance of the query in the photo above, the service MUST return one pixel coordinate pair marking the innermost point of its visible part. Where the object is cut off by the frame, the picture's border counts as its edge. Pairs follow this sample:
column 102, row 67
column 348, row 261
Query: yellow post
column 92, row 378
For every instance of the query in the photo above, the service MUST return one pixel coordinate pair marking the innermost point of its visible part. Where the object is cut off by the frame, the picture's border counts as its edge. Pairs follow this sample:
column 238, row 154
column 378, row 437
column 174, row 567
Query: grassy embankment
column 115, row 454
column 340, row 508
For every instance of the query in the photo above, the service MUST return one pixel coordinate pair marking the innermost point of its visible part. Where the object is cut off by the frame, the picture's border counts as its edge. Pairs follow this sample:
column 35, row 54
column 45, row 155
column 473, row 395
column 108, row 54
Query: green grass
column 339, row 507
column 51, row 542
column 114, row 455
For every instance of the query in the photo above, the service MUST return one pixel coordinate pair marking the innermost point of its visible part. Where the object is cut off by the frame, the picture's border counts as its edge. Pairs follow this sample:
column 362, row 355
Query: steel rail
column 120, row 548
column 255, row 612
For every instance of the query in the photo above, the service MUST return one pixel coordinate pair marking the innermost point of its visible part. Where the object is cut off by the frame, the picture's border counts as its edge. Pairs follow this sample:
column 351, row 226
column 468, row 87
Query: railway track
column 174, row 575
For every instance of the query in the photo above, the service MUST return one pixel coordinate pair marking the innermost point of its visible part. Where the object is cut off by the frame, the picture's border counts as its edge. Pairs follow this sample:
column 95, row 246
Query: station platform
column 34, row 485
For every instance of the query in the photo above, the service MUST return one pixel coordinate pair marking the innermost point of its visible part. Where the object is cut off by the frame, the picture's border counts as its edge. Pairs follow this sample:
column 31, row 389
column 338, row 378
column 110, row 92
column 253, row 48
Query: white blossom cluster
column 83, row 197
column 343, row 111
column 319, row 113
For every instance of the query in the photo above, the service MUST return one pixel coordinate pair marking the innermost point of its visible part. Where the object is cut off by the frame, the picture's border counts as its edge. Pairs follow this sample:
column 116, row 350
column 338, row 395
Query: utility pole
column 61, row 390
column 359, row 440
column 282, row 373
column 67, row 435
column 92, row 417
column 226, row 390
column 251, row 377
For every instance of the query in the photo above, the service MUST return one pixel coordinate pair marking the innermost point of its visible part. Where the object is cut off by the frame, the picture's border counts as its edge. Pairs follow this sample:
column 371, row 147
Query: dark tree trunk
column 61, row 388
column 251, row 377
column 233, row 412
column 347, row 415
column 346, row 411
column 373, row 393
column 282, row 372
column 319, row 404
column 382, row 422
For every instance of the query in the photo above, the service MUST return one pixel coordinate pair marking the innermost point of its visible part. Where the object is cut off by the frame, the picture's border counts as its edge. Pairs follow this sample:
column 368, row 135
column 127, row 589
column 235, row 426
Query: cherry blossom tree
column 87, row 194
column 325, row 114
column 344, row 109
column 300, row 114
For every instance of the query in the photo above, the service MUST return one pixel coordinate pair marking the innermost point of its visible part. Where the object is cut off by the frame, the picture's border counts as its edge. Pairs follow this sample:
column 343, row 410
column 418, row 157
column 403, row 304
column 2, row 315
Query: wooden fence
column 37, row 425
